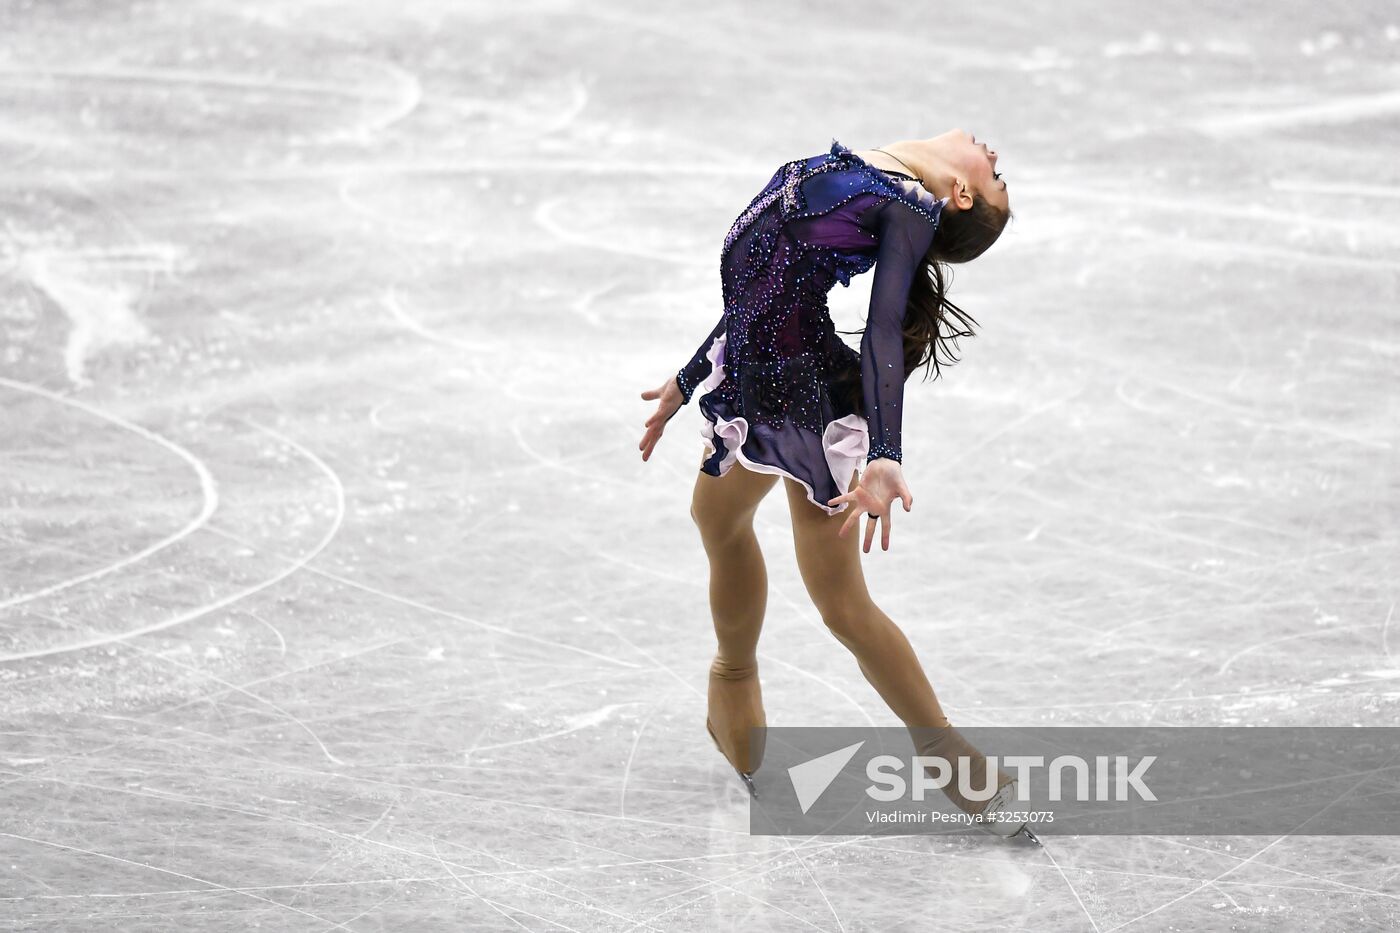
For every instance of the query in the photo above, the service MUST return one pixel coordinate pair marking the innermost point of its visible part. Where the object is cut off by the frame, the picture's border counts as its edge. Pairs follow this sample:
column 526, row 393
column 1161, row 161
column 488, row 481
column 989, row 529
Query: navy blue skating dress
column 766, row 375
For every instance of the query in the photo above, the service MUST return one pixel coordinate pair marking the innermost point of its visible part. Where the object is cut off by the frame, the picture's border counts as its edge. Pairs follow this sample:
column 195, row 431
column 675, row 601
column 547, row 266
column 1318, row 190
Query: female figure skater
column 783, row 395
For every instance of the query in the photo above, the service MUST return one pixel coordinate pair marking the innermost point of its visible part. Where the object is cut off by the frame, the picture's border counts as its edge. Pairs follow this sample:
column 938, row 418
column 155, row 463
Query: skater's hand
column 671, row 401
column 880, row 484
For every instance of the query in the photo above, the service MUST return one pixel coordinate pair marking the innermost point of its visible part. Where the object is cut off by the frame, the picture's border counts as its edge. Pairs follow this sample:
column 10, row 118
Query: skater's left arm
column 905, row 236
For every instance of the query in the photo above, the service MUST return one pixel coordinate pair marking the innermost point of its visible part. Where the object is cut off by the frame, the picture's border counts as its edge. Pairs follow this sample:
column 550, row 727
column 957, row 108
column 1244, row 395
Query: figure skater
column 783, row 396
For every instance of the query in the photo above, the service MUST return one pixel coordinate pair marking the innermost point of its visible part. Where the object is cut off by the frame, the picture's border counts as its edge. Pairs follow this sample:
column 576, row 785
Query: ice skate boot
column 1004, row 800
column 735, row 707
column 947, row 743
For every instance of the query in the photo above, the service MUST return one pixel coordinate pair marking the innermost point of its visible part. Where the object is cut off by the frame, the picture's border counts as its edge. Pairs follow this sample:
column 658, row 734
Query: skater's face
column 974, row 167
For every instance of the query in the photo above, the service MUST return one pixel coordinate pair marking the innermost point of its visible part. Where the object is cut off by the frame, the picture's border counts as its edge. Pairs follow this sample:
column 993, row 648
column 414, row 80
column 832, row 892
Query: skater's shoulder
column 897, row 186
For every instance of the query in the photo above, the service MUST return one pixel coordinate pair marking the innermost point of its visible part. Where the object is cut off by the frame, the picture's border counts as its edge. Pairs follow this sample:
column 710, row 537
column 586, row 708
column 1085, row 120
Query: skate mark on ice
column 208, row 491
column 200, row 611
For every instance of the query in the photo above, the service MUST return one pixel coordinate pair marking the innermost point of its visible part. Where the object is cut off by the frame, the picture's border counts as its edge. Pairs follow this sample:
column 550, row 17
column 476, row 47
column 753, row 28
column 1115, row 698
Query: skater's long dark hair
column 933, row 323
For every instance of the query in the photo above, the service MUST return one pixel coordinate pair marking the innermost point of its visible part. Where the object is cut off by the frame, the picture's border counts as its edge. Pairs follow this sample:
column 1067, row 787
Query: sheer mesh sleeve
column 693, row 373
column 905, row 237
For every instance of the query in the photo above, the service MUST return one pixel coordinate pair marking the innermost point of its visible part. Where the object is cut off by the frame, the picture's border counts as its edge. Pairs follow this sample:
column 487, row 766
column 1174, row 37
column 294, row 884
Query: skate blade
column 1030, row 837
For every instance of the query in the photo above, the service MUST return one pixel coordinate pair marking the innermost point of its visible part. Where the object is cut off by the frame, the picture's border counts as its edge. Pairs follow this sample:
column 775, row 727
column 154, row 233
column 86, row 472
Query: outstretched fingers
column 656, row 424
column 862, row 503
column 853, row 515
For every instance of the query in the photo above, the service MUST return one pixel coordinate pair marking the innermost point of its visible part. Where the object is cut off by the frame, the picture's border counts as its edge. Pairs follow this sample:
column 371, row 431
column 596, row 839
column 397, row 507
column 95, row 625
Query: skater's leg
column 723, row 508
column 831, row 569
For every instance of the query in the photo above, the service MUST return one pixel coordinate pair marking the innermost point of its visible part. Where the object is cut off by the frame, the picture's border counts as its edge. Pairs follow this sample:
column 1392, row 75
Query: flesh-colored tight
column 723, row 509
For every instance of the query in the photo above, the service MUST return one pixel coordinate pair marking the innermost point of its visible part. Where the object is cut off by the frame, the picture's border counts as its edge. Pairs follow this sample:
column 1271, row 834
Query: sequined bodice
column 818, row 221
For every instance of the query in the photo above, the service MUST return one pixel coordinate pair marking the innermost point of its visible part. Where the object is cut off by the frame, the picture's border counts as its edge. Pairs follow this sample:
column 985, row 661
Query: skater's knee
column 713, row 529
column 849, row 620
column 719, row 529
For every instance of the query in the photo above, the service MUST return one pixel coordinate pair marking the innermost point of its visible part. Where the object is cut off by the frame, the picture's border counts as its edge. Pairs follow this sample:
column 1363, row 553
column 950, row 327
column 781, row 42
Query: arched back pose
column 783, row 395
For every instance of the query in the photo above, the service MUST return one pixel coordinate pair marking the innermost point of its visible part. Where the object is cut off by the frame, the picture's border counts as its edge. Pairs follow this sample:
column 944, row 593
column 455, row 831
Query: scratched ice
column 333, row 591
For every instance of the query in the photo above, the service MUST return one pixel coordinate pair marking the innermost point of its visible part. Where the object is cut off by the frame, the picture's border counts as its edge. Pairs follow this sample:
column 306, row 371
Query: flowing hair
column 933, row 323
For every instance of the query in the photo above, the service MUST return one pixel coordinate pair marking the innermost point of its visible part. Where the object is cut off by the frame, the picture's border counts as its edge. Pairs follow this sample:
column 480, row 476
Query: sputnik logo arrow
column 811, row 778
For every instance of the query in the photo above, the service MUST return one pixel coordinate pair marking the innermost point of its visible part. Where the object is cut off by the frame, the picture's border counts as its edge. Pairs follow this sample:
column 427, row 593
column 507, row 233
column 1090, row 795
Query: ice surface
column 334, row 593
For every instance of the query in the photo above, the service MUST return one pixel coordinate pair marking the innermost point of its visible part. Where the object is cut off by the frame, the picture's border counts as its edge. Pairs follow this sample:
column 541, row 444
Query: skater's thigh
column 725, row 505
column 830, row 564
